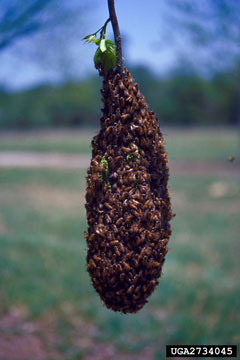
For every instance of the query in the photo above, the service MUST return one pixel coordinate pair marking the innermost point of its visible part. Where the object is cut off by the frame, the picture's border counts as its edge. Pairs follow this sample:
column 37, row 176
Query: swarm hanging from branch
column 127, row 200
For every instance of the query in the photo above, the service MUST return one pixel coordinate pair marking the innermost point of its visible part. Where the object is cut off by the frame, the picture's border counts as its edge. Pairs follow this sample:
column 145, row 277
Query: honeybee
column 140, row 131
column 132, row 205
column 165, row 251
column 122, row 102
column 164, row 242
column 100, row 231
column 135, row 279
column 153, row 236
column 135, row 297
column 118, row 158
column 91, row 265
column 142, row 100
column 142, row 188
column 97, row 258
column 110, row 85
column 121, row 85
column 120, row 180
column 114, row 242
column 126, row 266
column 122, row 276
column 145, row 251
column 151, row 264
column 132, row 177
column 121, row 247
column 129, row 98
column 125, row 116
column 114, row 228
column 125, row 149
column 117, row 77
column 105, row 271
column 137, row 213
column 112, row 118
column 135, row 105
column 131, row 275
column 108, row 206
column 114, row 176
column 117, row 115
column 144, row 288
column 108, row 130
column 110, row 254
column 94, row 163
column 119, row 268
column 148, row 204
column 137, row 289
column 108, row 219
column 117, row 252
column 129, row 137
column 112, row 213
column 91, row 221
column 91, row 237
column 130, row 289
column 139, row 240
column 119, row 292
column 99, row 211
column 112, row 282
column 119, row 221
column 130, row 254
column 100, row 289
column 144, row 260
column 136, row 195
column 100, row 70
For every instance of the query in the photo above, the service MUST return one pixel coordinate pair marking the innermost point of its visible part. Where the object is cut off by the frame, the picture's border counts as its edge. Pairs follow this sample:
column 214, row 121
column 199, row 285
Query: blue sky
column 141, row 26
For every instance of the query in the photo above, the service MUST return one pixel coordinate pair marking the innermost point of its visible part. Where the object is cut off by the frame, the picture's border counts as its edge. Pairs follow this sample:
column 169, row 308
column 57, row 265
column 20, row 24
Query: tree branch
column 116, row 31
column 19, row 21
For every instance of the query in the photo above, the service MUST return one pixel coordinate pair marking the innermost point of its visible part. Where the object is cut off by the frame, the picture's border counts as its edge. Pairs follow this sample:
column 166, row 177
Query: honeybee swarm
column 127, row 200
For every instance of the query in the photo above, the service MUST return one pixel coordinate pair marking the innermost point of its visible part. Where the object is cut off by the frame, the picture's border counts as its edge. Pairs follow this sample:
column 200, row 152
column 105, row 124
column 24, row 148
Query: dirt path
column 12, row 159
column 19, row 159
column 22, row 338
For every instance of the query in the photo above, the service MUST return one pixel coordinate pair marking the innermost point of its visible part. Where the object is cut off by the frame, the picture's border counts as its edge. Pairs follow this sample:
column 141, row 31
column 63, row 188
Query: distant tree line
column 183, row 98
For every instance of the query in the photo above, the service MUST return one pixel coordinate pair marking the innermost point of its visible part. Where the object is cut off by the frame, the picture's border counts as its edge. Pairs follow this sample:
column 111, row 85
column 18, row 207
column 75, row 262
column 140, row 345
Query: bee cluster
column 127, row 200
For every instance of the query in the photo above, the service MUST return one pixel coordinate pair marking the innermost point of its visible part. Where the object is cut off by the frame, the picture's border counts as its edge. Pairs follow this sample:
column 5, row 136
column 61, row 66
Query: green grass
column 68, row 141
column 43, row 251
column 197, row 144
column 202, row 144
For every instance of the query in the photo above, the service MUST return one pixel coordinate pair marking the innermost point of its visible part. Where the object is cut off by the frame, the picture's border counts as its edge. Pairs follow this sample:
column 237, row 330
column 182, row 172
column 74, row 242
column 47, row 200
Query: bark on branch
column 116, row 32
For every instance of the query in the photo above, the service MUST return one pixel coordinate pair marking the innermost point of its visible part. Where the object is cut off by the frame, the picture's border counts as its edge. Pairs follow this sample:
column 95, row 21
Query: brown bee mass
column 127, row 200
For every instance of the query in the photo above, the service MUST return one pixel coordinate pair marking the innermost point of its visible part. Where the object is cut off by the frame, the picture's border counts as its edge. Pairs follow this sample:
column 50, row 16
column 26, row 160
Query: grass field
column 210, row 144
column 44, row 282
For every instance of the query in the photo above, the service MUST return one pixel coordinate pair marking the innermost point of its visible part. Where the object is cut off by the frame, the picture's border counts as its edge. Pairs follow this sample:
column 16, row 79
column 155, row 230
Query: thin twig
column 116, row 31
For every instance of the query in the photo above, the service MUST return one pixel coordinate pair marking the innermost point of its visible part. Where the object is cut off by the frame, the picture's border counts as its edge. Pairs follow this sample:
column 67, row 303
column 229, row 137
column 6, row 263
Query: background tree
column 212, row 29
column 42, row 31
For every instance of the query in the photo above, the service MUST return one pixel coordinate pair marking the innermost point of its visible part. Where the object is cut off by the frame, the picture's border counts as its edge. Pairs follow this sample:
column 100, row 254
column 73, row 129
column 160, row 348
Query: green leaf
column 110, row 45
column 97, row 42
column 107, row 59
column 110, row 60
column 97, row 57
column 90, row 38
column 102, row 45
column 86, row 37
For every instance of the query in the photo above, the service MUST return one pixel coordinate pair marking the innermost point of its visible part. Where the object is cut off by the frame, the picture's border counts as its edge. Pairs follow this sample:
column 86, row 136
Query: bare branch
column 116, row 31
column 19, row 21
